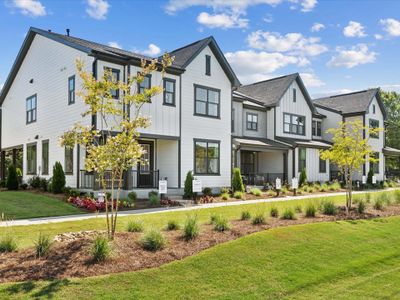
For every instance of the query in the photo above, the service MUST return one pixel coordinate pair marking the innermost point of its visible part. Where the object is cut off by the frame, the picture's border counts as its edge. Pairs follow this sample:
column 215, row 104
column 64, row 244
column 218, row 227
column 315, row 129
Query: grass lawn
column 338, row 260
column 25, row 205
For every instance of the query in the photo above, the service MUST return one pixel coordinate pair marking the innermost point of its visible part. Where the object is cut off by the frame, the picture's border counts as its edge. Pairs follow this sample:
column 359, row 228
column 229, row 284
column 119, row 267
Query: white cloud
column 354, row 29
column 391, row 87
column 391, row 26
column 293, row 43
column 268, row 18
column 378, row 36
column 351, row 57
column 317, row 27
column 97, row 9
column 152, row 50
column 222, row 20
column 308, row 5
column 115, row 45
column 33, row 8
column 311, row 80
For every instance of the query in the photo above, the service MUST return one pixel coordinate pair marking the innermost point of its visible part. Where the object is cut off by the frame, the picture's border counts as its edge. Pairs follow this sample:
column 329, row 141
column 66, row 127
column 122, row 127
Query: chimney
column 67, row 31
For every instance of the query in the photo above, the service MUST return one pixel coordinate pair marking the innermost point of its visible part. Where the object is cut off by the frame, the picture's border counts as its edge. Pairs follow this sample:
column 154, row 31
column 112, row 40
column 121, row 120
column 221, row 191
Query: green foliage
column 335, row 186
column 288, row 214
column 298, row 209
column 329, row 208
column 392, row 106
column 368, row 197
column 379, row 204
column 225, row 190
column 245, row 215
column 132, row 196
column 369, row 177
column 361, row 206
column 101, row 249
column 258, row 219
column 43, row 245
column 135, row 225
column 207, row 191
column 238, row 195
column 173, row 225
column 221, row 224
column 396, row 196
column 12, row 179
column 191, row 228
column 153, row 240
column 237, row 182
column 225, row 196
column 154, row 200
column 311, row 210
column 188, row 189
column 384, row 197
column 324, row 187
column 58, row 180
column 274, row 212
column 8, row 244
column 303, row 177
column 256, row 192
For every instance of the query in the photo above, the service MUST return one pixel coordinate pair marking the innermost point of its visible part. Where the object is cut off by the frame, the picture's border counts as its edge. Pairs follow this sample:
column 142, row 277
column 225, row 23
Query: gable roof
column 351, row 103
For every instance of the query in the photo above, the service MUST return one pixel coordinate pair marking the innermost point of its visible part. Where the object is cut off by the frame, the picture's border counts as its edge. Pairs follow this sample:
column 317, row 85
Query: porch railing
column 335, row 175
column 392, row 174
column 262, row 178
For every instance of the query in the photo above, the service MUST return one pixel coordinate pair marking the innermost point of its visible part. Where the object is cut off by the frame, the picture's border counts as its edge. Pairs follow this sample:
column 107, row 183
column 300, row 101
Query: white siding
column 312, row 165
column 271, row 124
column 270, row 162
column 237, row 118
column 332, row 120
column 167, row 161
column 261, row 131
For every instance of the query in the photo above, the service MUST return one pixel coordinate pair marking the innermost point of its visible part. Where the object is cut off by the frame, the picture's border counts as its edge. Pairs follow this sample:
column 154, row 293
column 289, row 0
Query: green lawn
column 25, row 205
column 338, row 260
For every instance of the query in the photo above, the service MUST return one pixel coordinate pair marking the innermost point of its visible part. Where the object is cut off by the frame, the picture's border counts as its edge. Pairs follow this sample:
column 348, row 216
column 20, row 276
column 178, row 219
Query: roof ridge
column 345, row 94
column 191, row 44
column 271, row 79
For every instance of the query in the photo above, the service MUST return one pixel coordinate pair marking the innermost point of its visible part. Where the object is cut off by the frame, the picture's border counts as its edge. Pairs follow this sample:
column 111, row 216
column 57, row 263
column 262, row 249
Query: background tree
column 113, row 148
column 349, row 151
column 392, row 105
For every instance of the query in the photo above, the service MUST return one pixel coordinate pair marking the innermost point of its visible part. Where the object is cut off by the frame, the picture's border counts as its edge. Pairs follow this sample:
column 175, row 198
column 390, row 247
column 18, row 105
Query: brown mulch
column 70, row 255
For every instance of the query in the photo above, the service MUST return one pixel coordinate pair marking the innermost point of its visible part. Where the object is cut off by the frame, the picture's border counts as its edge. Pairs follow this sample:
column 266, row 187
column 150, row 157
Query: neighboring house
column 277, row 131
column 190, row 122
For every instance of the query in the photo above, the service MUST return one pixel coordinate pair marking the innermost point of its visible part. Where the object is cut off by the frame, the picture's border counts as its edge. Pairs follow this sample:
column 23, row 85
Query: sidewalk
column 47, row 220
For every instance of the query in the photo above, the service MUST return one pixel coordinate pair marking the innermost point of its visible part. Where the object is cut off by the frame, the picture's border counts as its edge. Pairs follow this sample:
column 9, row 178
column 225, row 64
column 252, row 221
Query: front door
column 145, row 166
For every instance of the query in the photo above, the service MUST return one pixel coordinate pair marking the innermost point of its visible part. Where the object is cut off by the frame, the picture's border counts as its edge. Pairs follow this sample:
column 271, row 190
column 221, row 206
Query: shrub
column 271, row 193
column 154, row 200
column 221, row 224
column 298, row 209
column 384, row 197
column 58, row 180
column 324, row 187
column 368, row 197
column 153, row 240
column 23, row 186
column 44, row 184
column 238, row 195
column 334, row 186
column 288, row 214
column 329, row 208
column 8, row 244
column 207, row 191
column 245, row 215
column 191, row 229
column 225, row 190
column 303, row 177
column 132, row 196
column 386, row 185
column 258, row 219
column 361, row 206
column 237, row 182
column 225, row 196
column 256, row 192
column 153, row 193
column 311, row 210
column 101, row 249
column 378, row 205
column 284, row 190
column 274, row 212
column 12, row 179
column 135, row 226
column 42, row 245
column 369, row 177
column 213, row 218
column 188, row 189
column 173, row 225
column 34, row 182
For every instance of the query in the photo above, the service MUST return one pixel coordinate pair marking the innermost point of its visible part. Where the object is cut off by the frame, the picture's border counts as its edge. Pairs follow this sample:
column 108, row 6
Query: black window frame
column 208, row 65
column 30, row 171
column 294, row 92
column 300, row 160
column 208, row 89
column 71, row 93
column 322, row 165
column 173, row 81
column 45, row 160
column 373, row 109
column 374, row 166
column 195, row 141
column 31, row 112
column 317, row 128
column 69, row 150
column 117, row 73
column 374, row 135
column 141, row 88
column 251, row 123
column 233, row 120
column 292, row 124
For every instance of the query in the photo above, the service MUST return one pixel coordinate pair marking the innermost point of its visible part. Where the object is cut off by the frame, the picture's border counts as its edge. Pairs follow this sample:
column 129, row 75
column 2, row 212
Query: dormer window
column 294, row 95
column 208, row 65
column 373, row 108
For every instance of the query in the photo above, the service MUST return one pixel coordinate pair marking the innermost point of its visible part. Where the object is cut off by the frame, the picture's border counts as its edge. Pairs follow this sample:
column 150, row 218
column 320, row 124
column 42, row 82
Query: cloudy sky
column 337, row 46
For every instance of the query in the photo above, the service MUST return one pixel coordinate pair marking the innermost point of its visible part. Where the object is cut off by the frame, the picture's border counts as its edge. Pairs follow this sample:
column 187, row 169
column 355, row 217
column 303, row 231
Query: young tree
column 188, row 190
column 237, row 182
column 350, row 151
column 58, row 180
column 113, row 148
column 12, row 179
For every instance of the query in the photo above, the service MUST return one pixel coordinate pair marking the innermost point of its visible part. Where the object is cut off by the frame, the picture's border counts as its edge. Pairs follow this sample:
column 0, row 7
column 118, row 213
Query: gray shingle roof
column 184, row 55
column 348, row 103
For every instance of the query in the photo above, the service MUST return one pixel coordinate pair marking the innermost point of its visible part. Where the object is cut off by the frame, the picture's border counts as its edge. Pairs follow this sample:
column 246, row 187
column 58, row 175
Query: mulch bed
column 70, row 255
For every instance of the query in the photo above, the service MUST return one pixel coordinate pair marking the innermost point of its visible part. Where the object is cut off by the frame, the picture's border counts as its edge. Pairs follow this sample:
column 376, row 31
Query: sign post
column 197, row 187
column 162, row 186
column 278, row 186
column 295, row 185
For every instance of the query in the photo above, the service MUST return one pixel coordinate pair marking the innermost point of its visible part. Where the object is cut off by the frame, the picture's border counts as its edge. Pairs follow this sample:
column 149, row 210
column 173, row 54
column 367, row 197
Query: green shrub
column 386, row 184
column 154, row 200
column 258, row 219
column 132, row 196
column 298, row 209
column 396, row 196
column 329, row 208
column 369, row 177
column 225, row 190
column 361, row 206
column 101, row 249
column 245, row 215
column 335, row 186
column 237, row 182
column 191, row 228
column 221, row 224
column 12, row 178
column 34, row 182
column 153, row 193
column 213, row 218
column 58, row 179
column 256, row 192
column 43, row 245
column 368, row 197
column 188, row 189
column 311, row 210
column 207, row 191
column 238, row 195
column 271, row 193
column 225, row 196
column 288, row 214
column 8, row 244
column 378, row 204
column 284, row 190
column 384, row 197
column 136, row 225
column 274, row 212
column 324, row 187
column 153, row 240
column 303, row 177
column 173, row 225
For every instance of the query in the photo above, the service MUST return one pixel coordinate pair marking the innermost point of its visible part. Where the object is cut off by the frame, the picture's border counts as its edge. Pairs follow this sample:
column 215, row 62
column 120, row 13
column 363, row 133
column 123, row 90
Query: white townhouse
column 277, row 131
column 190, row 122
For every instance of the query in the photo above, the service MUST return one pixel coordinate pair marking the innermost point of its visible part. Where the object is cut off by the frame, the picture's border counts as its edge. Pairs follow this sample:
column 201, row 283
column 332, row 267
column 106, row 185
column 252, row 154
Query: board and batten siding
column 49, row 64
column 312, row 165
column 167, row 161
column 332, row 120
column 200, row 127
column 261, row 131
column 237, row 118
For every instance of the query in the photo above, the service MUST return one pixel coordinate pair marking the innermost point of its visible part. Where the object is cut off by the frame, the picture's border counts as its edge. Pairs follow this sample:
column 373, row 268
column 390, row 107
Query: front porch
column 392, row 163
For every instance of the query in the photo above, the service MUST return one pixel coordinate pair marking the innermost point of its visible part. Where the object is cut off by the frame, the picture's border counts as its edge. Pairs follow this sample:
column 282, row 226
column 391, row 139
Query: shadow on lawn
column 47, row 290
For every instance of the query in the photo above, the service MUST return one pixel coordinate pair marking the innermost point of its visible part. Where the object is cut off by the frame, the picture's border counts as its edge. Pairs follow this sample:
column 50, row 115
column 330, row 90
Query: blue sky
column 337, row 46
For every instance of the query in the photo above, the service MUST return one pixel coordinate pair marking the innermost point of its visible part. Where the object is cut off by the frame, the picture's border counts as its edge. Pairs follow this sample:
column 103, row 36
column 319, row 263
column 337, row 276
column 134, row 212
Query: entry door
column 145, row 168
column 247, row 162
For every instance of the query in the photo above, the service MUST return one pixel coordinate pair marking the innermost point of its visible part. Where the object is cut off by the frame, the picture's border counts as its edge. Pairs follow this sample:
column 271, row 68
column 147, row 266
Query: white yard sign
column 295, row 183
column 373, row 179
column 364, row 179
column 162, row 186
column 278, row 184
column 100, row 197
column 197, row 187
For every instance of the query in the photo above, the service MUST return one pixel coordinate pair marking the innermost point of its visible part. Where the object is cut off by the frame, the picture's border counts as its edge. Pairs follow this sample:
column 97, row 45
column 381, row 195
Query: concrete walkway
column 47, row 220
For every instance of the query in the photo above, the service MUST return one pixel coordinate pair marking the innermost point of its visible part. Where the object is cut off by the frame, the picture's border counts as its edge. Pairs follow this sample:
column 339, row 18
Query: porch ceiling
column 260, row 144
column 389, row 151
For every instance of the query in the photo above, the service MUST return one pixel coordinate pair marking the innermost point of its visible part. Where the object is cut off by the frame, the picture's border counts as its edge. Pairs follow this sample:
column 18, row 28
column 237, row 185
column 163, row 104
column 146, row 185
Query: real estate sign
column 197, row 186
column 162, row 186
column 278, row 184
column 295, row 183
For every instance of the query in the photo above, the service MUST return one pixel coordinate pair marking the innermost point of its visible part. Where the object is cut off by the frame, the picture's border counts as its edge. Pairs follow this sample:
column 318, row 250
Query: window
column 252, row 121
column 247, row 162
column 208, row 65
column 114, row 77
column 294, row 124
column 374, row 124
column 316, row 128
column 69, row 160
column 145, row 164
column 31, row 104
column 206, row 101
column 294, row 95
column 145, row 84
column 322, row 165
column 206, row 157
column 31, row 159
column 45, row 157
column 302, row 159
column 374, row 166
column 373, row 108
column 71, row 90
column 233, row 120
column 169, row 91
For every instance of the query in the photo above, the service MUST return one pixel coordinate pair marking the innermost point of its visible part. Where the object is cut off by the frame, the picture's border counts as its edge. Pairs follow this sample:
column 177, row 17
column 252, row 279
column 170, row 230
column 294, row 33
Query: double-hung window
column 316, row 128
column 322, row 165
column 169, row 91
column 252, row 121
column 374, row 166
column 71, row 90
column 373, row 124
column 31, row 112
column 302, row 159
column 207, row 101
column 207, row 155
column 31, row 155
column 45, row 157
column 114, row 77
column 294, row 124
column 69, row 160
